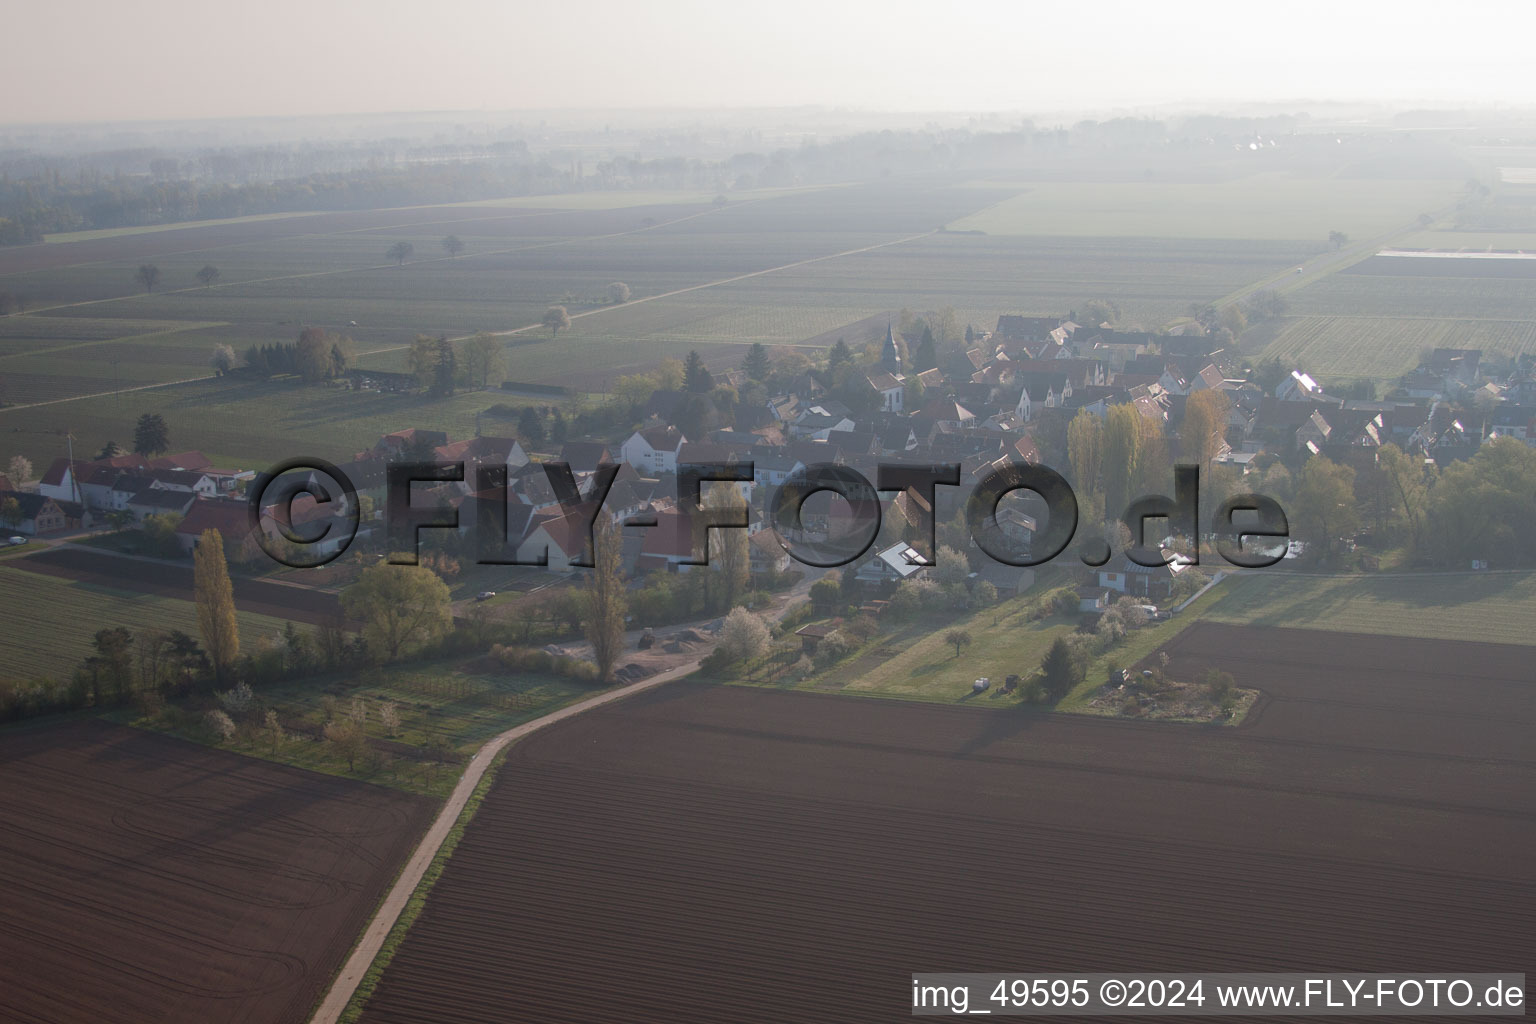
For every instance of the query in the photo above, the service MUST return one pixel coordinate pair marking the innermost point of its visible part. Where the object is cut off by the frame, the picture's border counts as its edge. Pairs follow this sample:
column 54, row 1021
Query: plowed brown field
column 150, row 879
column 724, row 854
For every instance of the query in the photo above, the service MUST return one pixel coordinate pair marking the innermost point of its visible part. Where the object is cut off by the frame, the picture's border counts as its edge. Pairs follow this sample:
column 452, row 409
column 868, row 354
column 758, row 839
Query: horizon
column 352, row 59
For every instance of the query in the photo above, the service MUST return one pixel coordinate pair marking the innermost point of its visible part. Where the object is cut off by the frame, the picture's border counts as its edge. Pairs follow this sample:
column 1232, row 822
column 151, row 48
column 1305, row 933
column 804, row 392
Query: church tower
column 890, row 355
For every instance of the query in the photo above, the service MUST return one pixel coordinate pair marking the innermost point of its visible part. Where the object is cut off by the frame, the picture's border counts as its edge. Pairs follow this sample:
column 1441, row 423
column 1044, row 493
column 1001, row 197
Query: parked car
column 485, row 595
column 16, row 541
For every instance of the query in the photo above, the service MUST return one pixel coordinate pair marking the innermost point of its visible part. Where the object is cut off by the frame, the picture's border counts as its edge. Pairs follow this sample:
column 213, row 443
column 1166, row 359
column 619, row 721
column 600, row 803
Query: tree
column 401, row 607
column 755, row 364
column 273, row 728
column 669, row 374
column 209, row 275
column 1406, row 484
column 1480, row 508
column 150, row 435
column 110, row 450
column 19, row 469
column 1085, row 450
column 389, row 718
column 1338, row 239
column 223, row 359
column 238, row 699
column 1121, row 458
column 347, row 740
column 1205, row 426
column 958, row 638
column 400, row 252
column 485, row 358
column 927, row 355
column 825, row 593
column 1097, row 312
column 839, row 355
column 318, row 354
column 555, row 318
column 10, row 513
column 950, row 566
column 697, row 380
column 445, row 373
column 1060, row 670
column 530, row 425
column 618, row 291
column 1232, row 320
column 215, row 601
column 422, row 359
column 606, row 600
column 1324, row 503
column 147, row 275
column 453, row 245
column 222, row 725
column 1266, row 305
column 743, row 635
column 729, row 552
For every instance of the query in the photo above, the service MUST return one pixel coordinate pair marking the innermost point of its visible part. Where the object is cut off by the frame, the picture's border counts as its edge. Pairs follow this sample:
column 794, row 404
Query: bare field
column 152, row 879
column 702, row 853
column 1258, row 206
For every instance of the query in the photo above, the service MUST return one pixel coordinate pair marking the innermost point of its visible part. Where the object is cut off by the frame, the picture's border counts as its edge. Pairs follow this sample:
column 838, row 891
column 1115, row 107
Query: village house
column 653, row 450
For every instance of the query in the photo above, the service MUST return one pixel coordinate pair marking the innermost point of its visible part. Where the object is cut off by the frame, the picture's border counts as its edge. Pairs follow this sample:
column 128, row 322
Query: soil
column 151, row 879
column 703, row 853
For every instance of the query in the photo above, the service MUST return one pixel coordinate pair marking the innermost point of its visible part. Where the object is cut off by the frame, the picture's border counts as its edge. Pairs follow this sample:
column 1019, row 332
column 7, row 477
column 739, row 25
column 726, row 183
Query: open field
column 1260, row 206
column 151, row 879
column 615, row 199
column 243, row 424
column 1384, row 348
column 1374, row 317
column 89, row 331
column 1452, row 289
column 1485, row 607
column 49, row 620
column 717, row 841
column 160, row 579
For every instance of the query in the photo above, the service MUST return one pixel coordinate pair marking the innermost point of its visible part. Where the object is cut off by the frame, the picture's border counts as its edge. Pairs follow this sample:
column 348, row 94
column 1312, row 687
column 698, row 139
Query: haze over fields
column 189, row 60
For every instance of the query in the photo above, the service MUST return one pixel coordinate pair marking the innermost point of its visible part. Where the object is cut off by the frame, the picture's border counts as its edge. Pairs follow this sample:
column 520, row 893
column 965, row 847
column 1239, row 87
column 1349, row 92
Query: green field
column 90, row 332
column 1486, row 607
column 49, row 621
column 1261, row 206
column 87, row 236
column 1385, row 348
column 617, row 200
column 244, row 425
column 916, row 663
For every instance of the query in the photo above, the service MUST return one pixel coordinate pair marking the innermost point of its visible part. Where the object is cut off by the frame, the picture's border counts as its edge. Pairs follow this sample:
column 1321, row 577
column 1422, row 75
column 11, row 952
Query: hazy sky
column 73, row 60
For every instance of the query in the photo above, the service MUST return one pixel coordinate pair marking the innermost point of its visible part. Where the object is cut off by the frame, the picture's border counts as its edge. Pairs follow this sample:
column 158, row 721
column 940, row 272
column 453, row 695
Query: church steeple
column 890, row 355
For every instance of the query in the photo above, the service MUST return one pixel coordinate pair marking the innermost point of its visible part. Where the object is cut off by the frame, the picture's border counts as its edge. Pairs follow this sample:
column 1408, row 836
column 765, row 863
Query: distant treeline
column 42, row 195
column 34, row 208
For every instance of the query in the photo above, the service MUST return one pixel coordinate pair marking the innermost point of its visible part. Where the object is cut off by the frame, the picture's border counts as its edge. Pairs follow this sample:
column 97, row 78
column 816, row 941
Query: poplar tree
column 215, row 601
column 606, row 602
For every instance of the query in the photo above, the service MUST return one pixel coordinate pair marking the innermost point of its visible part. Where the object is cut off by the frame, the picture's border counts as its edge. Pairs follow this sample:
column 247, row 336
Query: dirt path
column 367, row 949
column 362, row 957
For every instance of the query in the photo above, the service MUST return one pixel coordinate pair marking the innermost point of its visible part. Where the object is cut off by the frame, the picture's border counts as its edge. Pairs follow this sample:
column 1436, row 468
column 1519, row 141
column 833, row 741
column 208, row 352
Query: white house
column 896, row 563
column 653, row 450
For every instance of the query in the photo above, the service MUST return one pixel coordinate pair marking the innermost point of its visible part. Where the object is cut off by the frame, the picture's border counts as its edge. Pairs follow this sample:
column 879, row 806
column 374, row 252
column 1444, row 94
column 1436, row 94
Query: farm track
column 713, row 853
column 153, row 879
